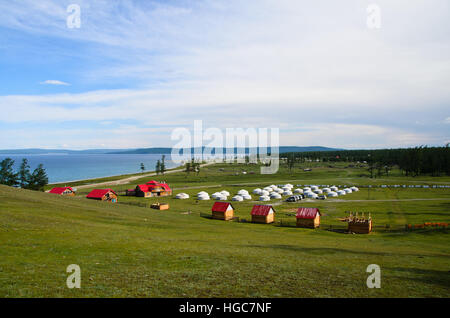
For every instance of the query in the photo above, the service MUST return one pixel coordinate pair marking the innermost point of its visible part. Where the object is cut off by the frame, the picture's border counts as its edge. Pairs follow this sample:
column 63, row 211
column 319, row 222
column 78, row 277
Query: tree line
column 434, row 161
column 24, row 178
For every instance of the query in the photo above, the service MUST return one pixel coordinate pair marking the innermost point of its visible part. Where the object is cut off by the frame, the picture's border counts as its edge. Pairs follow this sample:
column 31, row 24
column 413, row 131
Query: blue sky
column 135, row 70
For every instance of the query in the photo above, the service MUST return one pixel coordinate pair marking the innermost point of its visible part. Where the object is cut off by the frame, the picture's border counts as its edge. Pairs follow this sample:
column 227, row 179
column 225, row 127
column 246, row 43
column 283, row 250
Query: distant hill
column 160, row 150
column 282, row 149
column 39, row 151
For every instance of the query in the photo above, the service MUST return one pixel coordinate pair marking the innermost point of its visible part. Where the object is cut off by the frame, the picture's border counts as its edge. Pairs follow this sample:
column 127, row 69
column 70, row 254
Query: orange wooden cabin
column 63, row 191
column 308, row 217
column 103, row 195
column 153, row 189
column 263, row 214
column 222, row 211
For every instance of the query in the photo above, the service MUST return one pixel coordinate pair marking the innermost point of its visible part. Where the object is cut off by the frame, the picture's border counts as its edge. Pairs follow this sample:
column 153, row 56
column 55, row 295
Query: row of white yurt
column 182, row 196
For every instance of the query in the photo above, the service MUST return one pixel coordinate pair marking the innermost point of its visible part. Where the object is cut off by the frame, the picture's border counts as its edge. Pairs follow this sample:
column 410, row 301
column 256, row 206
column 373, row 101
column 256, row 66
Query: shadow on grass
column 332, row 250
column 427, row 276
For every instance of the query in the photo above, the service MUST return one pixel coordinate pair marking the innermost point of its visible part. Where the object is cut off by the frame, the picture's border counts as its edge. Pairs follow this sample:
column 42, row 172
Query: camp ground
column 295, row 249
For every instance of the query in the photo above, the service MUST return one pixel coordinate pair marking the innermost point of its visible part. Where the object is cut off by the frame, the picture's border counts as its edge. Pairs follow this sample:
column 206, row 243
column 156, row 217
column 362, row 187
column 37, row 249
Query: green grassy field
column 126, row 250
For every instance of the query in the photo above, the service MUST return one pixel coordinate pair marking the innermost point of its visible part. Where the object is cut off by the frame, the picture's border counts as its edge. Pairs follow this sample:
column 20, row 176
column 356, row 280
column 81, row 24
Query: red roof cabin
column 263, row 214
column 103, row 195
column 153, row 189
column 222, row 211
column 308, row 217
column 63, row 191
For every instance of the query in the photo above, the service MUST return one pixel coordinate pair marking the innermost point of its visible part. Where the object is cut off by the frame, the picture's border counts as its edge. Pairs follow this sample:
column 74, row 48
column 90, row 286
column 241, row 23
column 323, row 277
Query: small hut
column 63, row 191
column 222, row 211
column 103, row 195
column 263, row 214
column 308, row 217
column 160, row 206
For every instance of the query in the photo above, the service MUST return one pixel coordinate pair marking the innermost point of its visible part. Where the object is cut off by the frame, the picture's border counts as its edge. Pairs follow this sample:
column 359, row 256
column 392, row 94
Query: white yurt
column 257, row 191
column 306, row 189
column 237, row 198
column 275, row 195
column 247, row 197
column 268, row 189
column 326, row 190
column 311, row 195
column 203, row 198
column 264, row 198
column 273, row 186
column 318, row 191
column 265, row 193
column 182, row 196
column 287, row 192
column 341, row 192
column 225, row 193
column 288, row 185
column 298, row 191
column 347, row 190
column 354, row 189
column 314, row 187
column 242, row 192
column 202, row 193
column 220, row 197
column 332, row 194
column 334, row 188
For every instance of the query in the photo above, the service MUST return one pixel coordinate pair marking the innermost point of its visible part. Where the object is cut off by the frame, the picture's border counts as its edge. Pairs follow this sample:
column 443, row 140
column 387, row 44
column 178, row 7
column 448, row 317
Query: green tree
column 158, row 167
column 24, row 173
column 38, row 179
column 187, row 168
column 7, row 175
column 163, row 164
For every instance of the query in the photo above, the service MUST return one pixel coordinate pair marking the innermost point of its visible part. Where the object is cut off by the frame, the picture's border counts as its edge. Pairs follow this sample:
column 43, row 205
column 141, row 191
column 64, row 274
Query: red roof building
column 263, row 214
column 222, row 211
column 262, row 210
column 308, row 217
column 307, row 213
column 153, row 189
column 62, row 191
column 103, row 194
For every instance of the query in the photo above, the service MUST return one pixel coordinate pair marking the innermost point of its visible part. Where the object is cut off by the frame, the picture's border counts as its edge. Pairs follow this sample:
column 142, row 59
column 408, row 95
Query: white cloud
column 315, row 71
column 54, row 82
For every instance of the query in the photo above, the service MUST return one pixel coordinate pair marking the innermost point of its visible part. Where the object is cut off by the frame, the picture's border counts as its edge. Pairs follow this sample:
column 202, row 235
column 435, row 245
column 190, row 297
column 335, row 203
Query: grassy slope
column 125, row 250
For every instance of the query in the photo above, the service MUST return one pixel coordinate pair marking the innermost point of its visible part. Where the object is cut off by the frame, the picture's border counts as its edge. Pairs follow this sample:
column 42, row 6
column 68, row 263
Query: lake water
column 70, row 167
